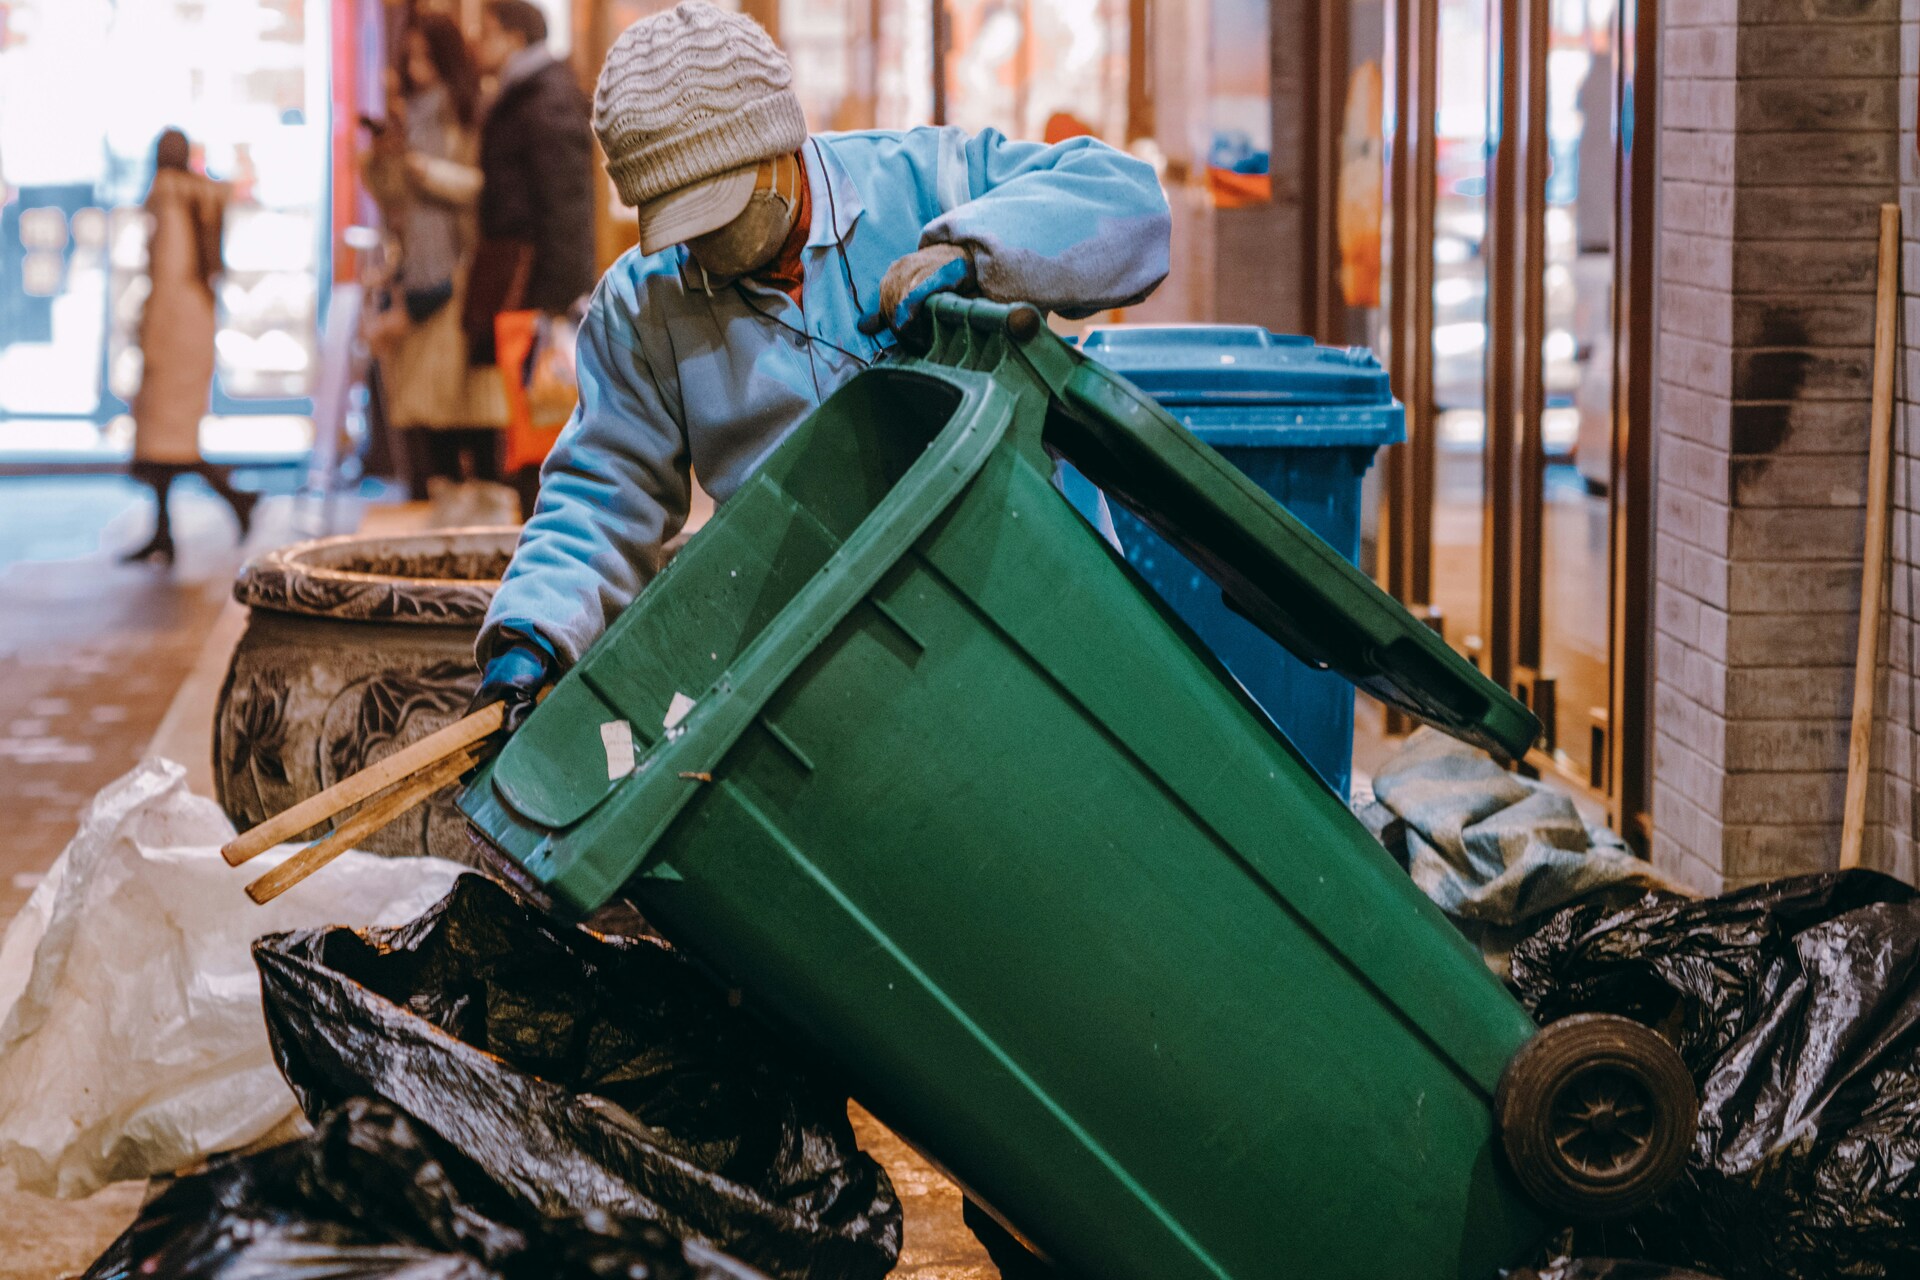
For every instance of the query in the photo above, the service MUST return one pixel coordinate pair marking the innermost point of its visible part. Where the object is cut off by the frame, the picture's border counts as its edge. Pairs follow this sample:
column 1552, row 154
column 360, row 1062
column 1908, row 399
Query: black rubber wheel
column 1597, row 1115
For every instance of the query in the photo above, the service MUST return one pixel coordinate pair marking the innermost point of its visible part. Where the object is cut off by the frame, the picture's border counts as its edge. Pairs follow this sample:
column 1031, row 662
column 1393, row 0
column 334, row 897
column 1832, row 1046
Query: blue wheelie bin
column 1301, row 421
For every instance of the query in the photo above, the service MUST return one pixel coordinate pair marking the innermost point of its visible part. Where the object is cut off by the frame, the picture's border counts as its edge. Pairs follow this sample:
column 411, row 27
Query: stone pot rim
column 292, row 579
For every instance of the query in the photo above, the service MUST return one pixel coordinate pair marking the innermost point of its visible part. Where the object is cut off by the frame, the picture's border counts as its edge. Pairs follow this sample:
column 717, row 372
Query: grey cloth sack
column 1494, row 849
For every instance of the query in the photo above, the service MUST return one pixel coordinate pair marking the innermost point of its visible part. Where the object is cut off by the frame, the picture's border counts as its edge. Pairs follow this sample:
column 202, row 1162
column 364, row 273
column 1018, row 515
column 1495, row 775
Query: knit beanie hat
column 688, row 96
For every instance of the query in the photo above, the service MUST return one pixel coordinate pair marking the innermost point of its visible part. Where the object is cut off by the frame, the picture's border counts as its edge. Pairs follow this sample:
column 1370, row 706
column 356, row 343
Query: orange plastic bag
column 535, row 355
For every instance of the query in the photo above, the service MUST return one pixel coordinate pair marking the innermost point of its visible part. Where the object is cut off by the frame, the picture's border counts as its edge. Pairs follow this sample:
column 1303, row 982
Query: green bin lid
column 1269, row 566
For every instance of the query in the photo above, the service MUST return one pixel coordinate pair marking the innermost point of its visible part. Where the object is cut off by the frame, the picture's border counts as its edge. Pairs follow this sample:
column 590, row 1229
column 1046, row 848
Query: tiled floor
column 938, row 1244
column 91, row 650
column 48, row 1239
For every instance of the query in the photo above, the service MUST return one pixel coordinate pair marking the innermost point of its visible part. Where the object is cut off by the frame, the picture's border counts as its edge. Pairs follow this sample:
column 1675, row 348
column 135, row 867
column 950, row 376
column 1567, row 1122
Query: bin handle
column 678, row 767
column 965, row 329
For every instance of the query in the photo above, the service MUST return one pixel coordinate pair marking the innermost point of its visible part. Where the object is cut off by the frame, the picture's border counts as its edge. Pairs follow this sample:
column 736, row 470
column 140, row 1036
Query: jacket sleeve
column 614, row 489
column 560, row 167
column 1076, row 228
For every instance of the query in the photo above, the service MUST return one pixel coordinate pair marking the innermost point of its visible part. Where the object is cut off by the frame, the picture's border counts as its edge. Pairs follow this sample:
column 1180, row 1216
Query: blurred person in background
column 536, row 250
column 422, row 171
column 187, row 211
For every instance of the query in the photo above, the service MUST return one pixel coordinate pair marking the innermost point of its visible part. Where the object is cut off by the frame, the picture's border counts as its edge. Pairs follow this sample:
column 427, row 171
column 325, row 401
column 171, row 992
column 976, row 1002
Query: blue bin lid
column 1238, row 364
column 1240, row 384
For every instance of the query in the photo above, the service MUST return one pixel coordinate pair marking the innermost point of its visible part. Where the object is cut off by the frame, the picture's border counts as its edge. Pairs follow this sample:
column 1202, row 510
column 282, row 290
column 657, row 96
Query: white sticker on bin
column 617, row 737
column 677, row 711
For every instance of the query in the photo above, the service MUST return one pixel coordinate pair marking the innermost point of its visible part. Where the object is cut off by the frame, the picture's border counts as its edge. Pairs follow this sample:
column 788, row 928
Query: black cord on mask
column 747, row 298
column 846, row 268
column 840, row 241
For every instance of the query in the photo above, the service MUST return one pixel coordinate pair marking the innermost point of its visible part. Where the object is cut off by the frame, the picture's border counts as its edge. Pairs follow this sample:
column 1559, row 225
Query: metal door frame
column 1410, row 80
column 1512, row 542
column 1628, row 777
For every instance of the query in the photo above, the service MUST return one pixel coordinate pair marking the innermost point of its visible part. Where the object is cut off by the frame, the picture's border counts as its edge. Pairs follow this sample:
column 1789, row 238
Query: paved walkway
column 91, row 652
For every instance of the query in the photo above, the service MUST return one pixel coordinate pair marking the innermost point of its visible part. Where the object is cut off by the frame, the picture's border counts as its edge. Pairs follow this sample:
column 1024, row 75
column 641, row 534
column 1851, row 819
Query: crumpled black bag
column 583, row 1075
column 1796, row 1004
column 1605, row 1269
column 369, row 1195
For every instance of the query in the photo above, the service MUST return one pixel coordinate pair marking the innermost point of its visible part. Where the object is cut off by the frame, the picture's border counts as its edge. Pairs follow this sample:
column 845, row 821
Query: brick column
column 1780, row 140
column 1897, row 749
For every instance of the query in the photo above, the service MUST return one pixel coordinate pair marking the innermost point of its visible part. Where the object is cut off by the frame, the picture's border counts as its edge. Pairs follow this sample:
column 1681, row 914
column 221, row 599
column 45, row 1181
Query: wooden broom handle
column 387, row 808
column 1866, row 662
column 370, row 781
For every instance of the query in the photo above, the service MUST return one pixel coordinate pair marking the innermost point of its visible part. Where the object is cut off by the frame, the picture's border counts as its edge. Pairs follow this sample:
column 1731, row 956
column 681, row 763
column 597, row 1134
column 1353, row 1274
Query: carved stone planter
column 354, row 648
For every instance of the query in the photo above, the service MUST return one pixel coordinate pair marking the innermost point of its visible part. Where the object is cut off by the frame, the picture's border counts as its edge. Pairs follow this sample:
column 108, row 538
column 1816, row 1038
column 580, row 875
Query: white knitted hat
column 689, row 103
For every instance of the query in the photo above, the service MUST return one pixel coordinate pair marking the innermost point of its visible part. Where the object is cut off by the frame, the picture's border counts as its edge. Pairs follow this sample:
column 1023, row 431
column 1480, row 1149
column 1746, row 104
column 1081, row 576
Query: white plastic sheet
column 131, row 1036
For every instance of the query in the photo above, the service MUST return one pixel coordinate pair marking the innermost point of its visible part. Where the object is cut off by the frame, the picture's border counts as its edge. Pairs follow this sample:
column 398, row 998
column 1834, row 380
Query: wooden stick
column 389, row 807
column 1866, row 662
column 375, row 778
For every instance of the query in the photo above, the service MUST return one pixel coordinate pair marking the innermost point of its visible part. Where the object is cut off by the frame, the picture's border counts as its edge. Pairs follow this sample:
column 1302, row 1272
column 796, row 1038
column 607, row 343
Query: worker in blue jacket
column 762, row 252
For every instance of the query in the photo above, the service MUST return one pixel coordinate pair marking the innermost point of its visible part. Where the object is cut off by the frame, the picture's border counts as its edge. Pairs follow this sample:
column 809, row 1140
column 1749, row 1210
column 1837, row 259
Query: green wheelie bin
column 925, row 771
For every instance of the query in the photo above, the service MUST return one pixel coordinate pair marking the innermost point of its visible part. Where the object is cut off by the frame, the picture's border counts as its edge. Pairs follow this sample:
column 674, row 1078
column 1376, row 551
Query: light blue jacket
column 673, row 377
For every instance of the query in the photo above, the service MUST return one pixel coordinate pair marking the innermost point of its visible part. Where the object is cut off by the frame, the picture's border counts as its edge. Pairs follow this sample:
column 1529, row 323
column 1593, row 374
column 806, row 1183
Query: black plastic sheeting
column 1607, row 1269
column 371, row 1196
column 524, row 1076
column 1796, row 1004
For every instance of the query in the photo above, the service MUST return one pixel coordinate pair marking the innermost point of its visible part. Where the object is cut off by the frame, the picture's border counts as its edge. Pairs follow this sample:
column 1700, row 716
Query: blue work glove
column 514, row 676
column 904, row 290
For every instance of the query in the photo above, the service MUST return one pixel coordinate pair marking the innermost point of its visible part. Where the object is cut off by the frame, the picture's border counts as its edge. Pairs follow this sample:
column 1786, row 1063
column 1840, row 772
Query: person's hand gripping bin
column 923, row 768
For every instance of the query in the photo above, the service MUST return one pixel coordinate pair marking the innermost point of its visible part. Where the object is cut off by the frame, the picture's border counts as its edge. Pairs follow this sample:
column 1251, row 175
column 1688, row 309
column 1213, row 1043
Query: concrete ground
column 102, row 663
column 91, row 651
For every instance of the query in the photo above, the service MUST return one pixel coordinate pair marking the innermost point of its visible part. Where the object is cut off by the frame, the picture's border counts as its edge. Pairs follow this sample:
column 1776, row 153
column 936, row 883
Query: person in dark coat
column 536, row 199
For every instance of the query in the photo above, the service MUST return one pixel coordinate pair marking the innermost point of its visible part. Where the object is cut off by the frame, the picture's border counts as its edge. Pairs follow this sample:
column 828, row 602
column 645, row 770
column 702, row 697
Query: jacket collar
column 837, row 203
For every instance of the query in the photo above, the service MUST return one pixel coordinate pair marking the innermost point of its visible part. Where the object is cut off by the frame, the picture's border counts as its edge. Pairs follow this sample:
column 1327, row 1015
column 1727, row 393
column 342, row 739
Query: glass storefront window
column 1460, row 317
column 1577, row 358
column 1038, row 70
column 903, row 78
column 52, row 281
column 86, row 86
column 861, row 64
column 826, row 40
column 1362, row 177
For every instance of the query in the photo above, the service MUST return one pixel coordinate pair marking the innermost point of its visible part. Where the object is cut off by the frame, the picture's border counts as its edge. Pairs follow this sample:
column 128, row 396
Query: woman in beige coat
column 422, row 173
column 176, row 339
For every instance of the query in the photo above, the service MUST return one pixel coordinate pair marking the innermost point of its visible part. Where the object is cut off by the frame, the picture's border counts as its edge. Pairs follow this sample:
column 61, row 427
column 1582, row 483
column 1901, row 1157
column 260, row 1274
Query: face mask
column 751, row 240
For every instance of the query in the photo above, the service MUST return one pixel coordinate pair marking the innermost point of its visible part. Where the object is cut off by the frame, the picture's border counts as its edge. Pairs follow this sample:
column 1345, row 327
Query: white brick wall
column 1781, row 136
column 1895, row 749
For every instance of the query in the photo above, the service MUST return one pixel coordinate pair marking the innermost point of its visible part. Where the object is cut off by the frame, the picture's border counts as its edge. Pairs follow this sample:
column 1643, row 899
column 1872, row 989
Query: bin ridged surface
column 967, row 807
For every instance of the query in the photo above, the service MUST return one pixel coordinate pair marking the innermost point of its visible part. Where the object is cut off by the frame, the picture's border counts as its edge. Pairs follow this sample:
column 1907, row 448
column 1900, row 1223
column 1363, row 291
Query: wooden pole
column 372, row 780
column 1866, row 663
column 390, row 807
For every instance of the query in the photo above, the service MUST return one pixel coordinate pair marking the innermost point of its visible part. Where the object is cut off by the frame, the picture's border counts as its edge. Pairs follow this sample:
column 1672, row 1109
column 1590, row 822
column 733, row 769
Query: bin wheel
column 1597, row 1115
